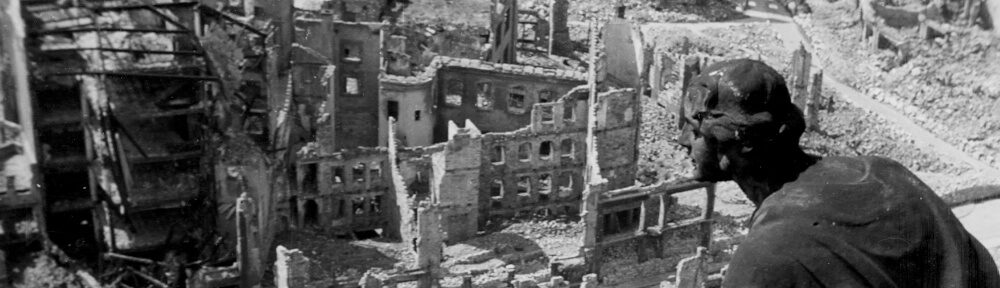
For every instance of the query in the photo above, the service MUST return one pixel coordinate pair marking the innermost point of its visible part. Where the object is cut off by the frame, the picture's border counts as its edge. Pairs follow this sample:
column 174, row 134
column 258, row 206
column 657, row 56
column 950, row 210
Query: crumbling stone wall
column 617, row 133
column 343, row 192
column 499, row 111
column 357, row 55
column 537, row 169
column 413, row 108
column 455, row 178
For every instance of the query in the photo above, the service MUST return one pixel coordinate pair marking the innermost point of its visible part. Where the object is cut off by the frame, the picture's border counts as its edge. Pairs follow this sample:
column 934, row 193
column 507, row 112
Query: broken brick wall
column 537, row 169
column 617, row 133
column 455, row 181
column 412, row 107
column 343, row 192
column 357, row 55
column 495, row 101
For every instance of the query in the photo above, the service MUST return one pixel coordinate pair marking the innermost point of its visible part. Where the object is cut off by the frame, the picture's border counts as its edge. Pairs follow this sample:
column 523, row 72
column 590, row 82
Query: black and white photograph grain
column 499, row 143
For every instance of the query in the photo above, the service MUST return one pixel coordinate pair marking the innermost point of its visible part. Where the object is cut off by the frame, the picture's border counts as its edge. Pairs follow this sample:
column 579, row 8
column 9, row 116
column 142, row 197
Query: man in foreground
column 820, row 222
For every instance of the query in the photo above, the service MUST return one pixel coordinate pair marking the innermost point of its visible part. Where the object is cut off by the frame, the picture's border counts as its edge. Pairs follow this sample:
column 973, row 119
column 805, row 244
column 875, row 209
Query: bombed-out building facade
column 184, row 136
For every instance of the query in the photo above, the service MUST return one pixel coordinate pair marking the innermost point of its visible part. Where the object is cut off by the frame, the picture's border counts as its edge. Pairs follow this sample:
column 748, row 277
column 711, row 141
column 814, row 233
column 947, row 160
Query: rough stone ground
column 949, row 86
column 845, row 129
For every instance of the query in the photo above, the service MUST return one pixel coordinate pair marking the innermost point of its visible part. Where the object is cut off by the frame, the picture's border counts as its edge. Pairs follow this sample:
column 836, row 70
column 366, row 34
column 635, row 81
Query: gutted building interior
column 376, row 143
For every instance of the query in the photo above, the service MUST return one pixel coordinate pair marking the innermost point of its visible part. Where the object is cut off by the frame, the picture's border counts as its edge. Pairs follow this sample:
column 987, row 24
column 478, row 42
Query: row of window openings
column 544, row 186
column 621, row 221
column 545, row 151
column 310, row 180
column 516, row 99
column 357, row 208
column 392, row 109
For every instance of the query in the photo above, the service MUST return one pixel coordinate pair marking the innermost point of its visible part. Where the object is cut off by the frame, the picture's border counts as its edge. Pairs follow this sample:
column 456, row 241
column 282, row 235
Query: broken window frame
column 496, row 189
column 497, row 154
column 568, row 109
column 392, row 109
column 310, row 179
column 517, row 100
column 358, row 206
column 348, row 47
column 375, row 171
column 356, row 92
column 524, row 152
column 547, row 114
column 523, row 185
column 569, row 153
column 484, row 96
column 337, row 174
column 375, row 205
column 565, row 184
column 359, row 169
column 454, row 90
column 544, row 186
column 545, row 150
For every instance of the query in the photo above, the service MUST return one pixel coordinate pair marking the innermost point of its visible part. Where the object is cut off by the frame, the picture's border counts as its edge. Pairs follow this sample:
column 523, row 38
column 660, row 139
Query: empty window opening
column 628, row 219
column 341, row 208
column 524, row 152
column 352, row 87
column 610, row 224
column 453, row 93
column 496, row 204
column 628, row 115
column 566, row 148
column 392, row 109
column 516, row 100
column 524, row 186
column 565, row 184
column 484, row 96
column 352, row 53
column 544, row 187
column 376, row 205
column 358, row 206
column 547, row 116
column 497, row 155
column 496, row 189
column 568, row 110
column 311, row 217
column 544, row 212
column 416, row 115
column 309, row 179
column 566, row 210
column 338, row 174
column 375, row 171
column 545, row 150
column 546, row 96
column 358, row 172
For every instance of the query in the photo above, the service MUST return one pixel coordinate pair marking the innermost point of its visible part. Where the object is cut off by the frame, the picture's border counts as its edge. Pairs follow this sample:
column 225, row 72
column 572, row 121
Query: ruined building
column 184, row 136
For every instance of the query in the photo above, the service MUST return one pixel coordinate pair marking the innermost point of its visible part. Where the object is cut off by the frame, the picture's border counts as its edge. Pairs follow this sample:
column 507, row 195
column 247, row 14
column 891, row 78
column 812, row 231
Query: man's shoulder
column 849, row 190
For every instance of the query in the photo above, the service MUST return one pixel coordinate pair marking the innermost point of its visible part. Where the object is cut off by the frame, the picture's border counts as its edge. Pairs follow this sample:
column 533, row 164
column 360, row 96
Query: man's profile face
column 698, row 135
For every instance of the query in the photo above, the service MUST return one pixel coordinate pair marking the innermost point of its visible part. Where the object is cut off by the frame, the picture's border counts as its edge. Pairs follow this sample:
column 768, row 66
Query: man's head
column 735, row 116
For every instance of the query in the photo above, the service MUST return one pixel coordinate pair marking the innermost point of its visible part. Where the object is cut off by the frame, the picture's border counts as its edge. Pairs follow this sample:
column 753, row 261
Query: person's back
column 821, row 222
column 858, row 222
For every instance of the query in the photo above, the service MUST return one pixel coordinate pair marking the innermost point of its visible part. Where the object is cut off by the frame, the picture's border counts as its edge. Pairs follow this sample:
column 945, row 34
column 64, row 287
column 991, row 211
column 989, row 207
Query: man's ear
column 792, row 126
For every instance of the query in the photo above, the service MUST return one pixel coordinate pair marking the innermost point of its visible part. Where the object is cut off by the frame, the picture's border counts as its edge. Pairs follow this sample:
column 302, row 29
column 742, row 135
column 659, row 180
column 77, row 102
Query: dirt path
column 923, row 138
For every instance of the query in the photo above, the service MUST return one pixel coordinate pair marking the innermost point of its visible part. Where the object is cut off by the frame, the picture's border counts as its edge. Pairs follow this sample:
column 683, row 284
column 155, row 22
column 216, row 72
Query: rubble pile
column 947, row 85
column 646, row 11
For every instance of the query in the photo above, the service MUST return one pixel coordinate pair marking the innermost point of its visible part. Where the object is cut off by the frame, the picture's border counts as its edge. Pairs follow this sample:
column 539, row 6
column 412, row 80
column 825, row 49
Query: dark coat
column 859, row 222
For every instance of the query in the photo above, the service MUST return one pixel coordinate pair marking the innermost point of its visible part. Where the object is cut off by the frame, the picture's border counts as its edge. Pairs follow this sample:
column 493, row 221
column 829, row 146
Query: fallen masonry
column 175, row 144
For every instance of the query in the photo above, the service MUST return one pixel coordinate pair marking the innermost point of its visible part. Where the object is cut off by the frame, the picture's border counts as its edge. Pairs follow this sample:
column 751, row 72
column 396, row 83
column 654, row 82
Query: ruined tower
column 503, row 32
